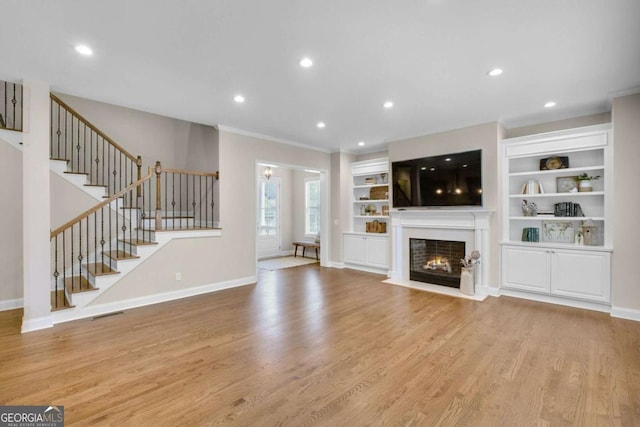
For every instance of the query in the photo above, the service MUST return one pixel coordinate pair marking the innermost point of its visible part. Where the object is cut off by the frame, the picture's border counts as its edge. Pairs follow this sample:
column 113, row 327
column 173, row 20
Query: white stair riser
column 170, row 223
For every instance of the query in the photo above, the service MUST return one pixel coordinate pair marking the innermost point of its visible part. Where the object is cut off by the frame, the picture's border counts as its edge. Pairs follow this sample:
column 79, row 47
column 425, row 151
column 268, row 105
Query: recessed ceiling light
column 465, row 165
column 448, row 159
column 306, row 62
column 321, row 125
column 361, row 143
column 495, row 72
column 239, row 99
column 550, row 104
column 424, row 168
column 84, row 50
column 388, row 104
column 432, row 169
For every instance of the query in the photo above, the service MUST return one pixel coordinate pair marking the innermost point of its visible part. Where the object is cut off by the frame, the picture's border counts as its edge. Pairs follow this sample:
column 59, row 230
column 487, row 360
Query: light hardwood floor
column 314, row 346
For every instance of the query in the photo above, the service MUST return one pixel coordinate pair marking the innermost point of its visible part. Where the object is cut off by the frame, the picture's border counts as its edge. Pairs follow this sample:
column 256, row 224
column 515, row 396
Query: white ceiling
column 187, row 59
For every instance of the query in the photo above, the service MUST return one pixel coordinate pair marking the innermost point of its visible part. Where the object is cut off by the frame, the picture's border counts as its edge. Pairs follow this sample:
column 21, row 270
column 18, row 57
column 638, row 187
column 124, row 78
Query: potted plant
column 584, row 182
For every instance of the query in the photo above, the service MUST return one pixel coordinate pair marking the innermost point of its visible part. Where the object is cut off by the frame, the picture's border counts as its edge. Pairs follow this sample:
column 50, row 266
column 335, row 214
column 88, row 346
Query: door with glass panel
column 268, row 241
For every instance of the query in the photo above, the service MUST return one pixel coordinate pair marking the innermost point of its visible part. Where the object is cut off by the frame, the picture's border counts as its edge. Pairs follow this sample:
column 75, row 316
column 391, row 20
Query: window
column 312, row 207
column 268, row 208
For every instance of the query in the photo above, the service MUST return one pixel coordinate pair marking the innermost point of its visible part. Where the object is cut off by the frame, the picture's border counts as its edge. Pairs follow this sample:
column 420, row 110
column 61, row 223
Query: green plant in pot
column 584, row 182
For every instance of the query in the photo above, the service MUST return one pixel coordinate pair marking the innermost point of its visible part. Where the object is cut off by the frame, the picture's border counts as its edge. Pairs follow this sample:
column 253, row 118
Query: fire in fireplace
column 436, row 261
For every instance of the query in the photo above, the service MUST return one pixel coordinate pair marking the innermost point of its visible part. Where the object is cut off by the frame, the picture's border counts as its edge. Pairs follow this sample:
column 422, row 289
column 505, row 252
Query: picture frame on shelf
column 558, row 231
column 566, row 184
column 555, row 162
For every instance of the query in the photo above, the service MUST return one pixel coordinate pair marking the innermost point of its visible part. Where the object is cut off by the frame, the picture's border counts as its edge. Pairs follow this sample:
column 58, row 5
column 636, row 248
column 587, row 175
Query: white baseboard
column 335, row 264
column 556, row 300
column 374, row 270
column 488, row 290
column 625, row 313
column 35, row 324
column 96, row 310
column 11, row 304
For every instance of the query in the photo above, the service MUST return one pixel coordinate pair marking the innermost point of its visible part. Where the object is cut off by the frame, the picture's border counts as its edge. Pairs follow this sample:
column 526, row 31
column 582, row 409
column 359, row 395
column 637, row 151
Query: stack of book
column 567, row 209
column 530, row 234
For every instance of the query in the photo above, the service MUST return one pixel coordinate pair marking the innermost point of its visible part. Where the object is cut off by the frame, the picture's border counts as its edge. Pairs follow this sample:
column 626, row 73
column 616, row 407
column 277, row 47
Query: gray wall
column 485, row 137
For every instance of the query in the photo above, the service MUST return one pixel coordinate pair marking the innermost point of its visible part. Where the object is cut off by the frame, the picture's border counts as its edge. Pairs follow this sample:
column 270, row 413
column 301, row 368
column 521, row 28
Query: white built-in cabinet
column 364, row 249
column 558, row 266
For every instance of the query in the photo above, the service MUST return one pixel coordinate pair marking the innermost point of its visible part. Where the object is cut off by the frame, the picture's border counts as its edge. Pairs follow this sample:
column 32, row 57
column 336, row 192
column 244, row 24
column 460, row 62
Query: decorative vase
column 466, row 282
column 585, row 185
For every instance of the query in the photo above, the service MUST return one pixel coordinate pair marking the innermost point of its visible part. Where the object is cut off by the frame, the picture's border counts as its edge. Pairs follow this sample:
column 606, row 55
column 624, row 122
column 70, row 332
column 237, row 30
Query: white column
column 36, row 207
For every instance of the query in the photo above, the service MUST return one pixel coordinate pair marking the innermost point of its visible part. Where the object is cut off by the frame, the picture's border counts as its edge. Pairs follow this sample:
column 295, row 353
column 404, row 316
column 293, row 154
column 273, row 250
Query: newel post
column 158, row 198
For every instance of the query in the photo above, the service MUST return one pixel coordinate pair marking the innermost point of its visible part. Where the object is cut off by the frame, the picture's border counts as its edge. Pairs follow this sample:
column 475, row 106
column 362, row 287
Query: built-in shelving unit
column 366, row 245
column 565, row 257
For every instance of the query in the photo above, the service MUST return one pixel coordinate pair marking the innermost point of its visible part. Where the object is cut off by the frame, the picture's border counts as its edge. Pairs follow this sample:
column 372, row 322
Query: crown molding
column 270, row 138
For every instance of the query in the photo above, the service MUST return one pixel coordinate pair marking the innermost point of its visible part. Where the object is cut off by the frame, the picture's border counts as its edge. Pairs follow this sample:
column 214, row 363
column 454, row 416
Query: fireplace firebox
column 436, row 261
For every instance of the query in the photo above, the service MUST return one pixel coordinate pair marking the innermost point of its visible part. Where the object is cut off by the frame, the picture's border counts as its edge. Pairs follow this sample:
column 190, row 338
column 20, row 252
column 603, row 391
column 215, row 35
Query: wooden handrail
column 92, row 127
column 215, row 174
column 100, row 205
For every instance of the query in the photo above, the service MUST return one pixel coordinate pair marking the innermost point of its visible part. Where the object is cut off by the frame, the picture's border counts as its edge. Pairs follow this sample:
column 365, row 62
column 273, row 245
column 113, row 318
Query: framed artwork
column 558, row 231
column 566, row 184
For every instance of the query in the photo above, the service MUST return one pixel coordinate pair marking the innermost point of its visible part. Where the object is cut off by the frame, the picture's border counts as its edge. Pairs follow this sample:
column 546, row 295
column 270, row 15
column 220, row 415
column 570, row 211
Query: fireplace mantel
column 472, row 223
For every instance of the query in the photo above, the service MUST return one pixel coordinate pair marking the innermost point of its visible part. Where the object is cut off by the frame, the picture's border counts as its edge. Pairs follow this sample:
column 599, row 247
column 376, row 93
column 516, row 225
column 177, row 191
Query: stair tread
column 95, row 185
column 59, row 301
column 76, row 173
column 100, row 269
column 180, row 229
column 59, row 159
column 78, row 284
column 120, row 255
column 138, row 242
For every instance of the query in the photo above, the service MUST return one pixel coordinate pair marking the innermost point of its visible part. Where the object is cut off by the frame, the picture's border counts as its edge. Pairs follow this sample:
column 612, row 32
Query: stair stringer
column 14, row 138
column 81, row 301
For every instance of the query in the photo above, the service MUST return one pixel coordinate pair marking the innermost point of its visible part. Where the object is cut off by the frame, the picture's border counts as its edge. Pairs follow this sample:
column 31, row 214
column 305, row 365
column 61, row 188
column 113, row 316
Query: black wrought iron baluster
column 56, row 273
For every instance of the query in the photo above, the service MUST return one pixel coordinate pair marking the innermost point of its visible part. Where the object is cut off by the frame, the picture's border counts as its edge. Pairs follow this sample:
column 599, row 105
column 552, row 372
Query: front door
column 268, row 217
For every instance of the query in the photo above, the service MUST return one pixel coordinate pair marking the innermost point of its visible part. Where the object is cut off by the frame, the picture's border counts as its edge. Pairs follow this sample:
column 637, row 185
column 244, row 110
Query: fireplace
column 436, row 261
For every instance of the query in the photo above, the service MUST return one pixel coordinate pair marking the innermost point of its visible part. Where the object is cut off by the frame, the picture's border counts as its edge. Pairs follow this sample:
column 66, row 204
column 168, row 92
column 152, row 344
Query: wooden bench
column 305, row 245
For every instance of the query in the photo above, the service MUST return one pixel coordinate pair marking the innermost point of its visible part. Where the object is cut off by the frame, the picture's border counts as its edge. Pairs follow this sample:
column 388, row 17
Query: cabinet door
column 378, row 252
column 584, row 275
column 355, row 249
column 525, row 269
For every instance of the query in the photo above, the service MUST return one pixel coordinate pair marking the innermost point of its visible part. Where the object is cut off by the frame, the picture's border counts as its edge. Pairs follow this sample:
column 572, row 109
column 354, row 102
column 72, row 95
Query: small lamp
column 268, row 172
column 590, row 232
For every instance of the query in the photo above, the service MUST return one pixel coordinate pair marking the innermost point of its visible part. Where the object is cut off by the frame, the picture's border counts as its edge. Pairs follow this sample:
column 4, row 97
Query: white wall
column 626, row 235
column 11, row 276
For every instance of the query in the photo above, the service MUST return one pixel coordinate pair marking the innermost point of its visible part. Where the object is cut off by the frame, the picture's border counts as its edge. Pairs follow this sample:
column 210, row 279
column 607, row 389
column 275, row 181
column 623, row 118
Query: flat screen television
column 449, row 180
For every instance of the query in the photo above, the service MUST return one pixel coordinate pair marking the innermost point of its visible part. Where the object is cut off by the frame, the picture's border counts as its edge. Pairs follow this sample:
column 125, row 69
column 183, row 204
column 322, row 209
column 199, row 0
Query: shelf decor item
column 556, row 162
column 584, row 182
column 468, row 264
column 558, row 231
column 532, row 186
column 379, row 193
column 531, row 234
column 567, row 184
column 376, row 227
column 371, row 180
column 589, row 233
column 529, row 208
